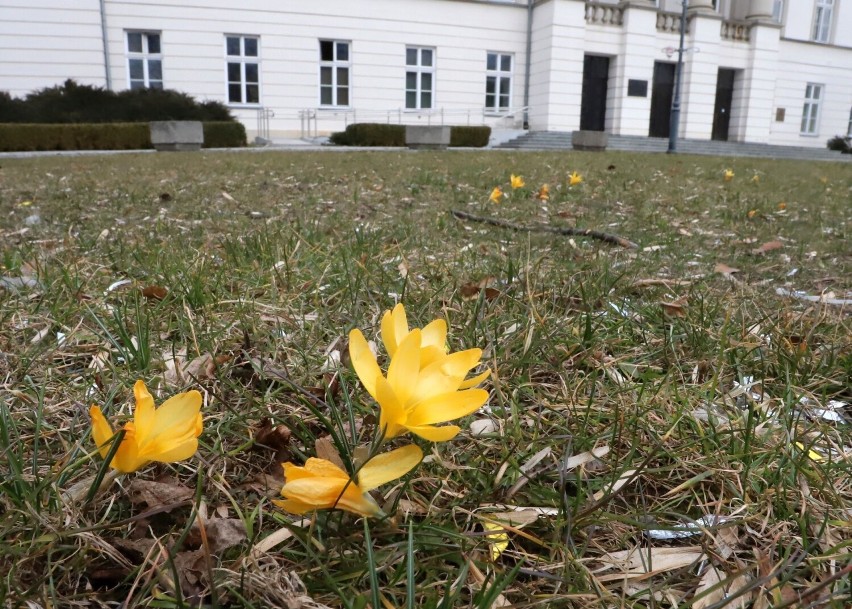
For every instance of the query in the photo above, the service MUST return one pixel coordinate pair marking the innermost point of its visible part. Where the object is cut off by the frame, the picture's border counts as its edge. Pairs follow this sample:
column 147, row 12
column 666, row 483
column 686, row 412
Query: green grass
column 268, row 260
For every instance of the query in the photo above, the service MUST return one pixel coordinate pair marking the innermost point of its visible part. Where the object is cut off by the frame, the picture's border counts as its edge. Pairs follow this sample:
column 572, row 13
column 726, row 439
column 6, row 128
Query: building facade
column 770, row 71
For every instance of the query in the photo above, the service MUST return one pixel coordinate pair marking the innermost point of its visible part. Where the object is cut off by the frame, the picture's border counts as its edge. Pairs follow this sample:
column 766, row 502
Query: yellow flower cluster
column 543, row 193
column 425, row 385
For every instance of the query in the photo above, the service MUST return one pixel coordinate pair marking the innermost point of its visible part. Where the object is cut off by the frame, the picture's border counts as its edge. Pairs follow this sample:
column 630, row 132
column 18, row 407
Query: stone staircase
column 561, row 140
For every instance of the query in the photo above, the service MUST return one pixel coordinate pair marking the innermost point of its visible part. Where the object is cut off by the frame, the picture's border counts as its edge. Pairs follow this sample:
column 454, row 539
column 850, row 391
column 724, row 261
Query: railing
column 309, row 117
column 604, row 14
column 670, row 22
column 308, row 122
column 263, row 116
column 736, row 30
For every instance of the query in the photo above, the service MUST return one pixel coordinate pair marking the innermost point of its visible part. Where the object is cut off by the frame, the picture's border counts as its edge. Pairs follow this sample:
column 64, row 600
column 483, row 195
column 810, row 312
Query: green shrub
column 224, row 134
column 840, row 143
column 380, row 134
column 470, row 137
column 105, row 136
column 112, row 136
column 75, row 103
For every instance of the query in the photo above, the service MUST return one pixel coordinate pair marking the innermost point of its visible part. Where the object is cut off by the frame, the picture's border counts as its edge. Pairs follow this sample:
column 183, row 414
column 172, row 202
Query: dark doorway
column 593, row 104
column 661, row 99
column 722, row 111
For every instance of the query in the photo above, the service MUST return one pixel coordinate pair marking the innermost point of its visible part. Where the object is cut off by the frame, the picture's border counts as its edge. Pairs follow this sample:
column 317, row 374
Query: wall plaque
column 637, row 88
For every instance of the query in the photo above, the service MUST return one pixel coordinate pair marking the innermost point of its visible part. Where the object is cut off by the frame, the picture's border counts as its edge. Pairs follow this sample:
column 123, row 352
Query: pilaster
column 700, row 73
column 759, row 81
column 638, row 44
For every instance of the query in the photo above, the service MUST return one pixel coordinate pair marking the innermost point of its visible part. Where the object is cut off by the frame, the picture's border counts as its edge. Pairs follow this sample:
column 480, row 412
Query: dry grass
column 243, row 273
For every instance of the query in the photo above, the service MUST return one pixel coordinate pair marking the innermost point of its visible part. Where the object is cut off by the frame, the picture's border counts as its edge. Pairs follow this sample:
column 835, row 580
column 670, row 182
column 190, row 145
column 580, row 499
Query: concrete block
column 427, row 136
column 589, row 140
column 177, row 135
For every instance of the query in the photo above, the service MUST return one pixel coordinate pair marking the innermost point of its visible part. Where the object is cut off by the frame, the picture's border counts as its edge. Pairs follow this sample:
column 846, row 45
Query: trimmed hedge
column 470, row 137
column 75, row 103
column 106, row 136
column 380, row 134
column 841, row 144
column 224, row 134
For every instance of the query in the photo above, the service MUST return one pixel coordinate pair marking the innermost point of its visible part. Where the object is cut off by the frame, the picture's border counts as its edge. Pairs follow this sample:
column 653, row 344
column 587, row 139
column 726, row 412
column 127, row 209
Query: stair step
column 561, row 140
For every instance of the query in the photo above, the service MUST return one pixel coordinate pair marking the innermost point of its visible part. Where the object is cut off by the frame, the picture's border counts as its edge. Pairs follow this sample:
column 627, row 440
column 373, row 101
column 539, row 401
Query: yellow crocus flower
column 415, row 399
column 729, row 175
column 321, row 485
column 517, row 181
column 496, row 195
column 543, row 193
column 574, row 179
column 165, row 434
column 433, row 340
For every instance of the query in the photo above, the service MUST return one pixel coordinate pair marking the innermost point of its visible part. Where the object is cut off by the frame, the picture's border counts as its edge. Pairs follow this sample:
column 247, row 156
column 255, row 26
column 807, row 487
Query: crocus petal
column 394, row 328
column 449, row 407
column 460, row 362
column 393, row 415
column 364, row 362
column 179, row 412
column 294, row 506
column 433, row 342
column 405, row 366
column 318, row 491
column 355, row 501
column 324, row 467
column 177, row 451
column 388, row 466
column 143, row 413
column 101, row 430
column 475, row 380
column 435, row 434
column 127, row 458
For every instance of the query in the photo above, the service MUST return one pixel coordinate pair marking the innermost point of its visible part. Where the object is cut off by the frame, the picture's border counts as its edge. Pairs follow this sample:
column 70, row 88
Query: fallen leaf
column 724, row 269
column 222, row 533
column 471, row 290
column 154, row 292
column 157, row 494
column 767, row 247
column 640, row 561
column 326, row 449
column 675, row 308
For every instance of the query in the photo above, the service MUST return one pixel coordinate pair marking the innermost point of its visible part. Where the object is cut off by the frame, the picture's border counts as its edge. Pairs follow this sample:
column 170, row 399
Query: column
column 556, row 71
column 700, row 73
column 638, row 49
column 759, row 81
column 760, row 10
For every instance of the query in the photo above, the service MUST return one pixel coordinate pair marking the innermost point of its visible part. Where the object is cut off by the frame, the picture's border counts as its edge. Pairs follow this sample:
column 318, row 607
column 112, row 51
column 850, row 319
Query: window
column 822, row 20
column 498, row 81
column 419, row 77
column 144, row 60
column 334, row 73
column 242, row 54
column 777, row 11
column 810, row 111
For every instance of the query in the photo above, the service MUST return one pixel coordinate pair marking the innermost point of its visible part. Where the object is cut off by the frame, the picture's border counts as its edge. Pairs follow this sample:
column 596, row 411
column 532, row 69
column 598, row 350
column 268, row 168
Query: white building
column 768, row 71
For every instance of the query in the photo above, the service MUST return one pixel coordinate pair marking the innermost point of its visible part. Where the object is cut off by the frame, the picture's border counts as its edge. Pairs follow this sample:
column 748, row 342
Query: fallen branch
column 541, row 228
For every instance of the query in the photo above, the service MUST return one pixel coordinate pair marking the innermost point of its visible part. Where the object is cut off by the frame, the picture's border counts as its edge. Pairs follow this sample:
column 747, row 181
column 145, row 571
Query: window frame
column 419, row 70
column 499, row 75
column 336, row 65
column 811, row 109
column 823, row 21
column 145, row 56
column 243, row 60
column 778, row 11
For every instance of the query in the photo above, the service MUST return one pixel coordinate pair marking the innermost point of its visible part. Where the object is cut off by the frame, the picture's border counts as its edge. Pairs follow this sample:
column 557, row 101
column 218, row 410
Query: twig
column 541, row 228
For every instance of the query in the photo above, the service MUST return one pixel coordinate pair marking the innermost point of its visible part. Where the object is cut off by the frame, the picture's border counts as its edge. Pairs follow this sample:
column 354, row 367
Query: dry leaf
column 642, row 560
column 583, row 458
column 724, row 269
column 154, row 292
column 325, row 449
column 728, row 587
column 675, row 308
column 622, row 480
column 471, row 290
column 768, row 247
column 222, row 533
column 158, row 494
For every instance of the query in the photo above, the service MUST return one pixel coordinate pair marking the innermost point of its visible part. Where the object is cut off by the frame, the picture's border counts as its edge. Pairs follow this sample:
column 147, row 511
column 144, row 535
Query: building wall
column 44, row 42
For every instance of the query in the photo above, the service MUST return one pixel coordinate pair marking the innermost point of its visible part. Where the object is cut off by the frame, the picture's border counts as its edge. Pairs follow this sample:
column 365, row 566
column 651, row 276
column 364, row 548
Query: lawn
column 667, row 425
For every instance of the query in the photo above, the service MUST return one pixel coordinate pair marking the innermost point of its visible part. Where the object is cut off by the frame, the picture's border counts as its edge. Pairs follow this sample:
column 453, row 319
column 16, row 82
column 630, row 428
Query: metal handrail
column 440, row 116
column 263, row 117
